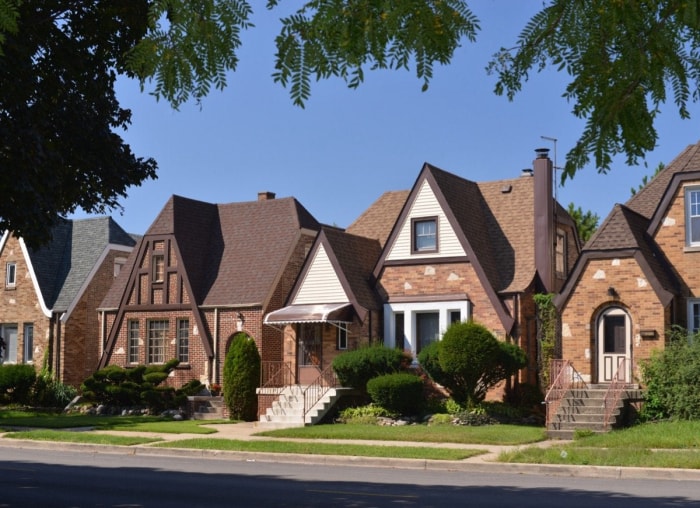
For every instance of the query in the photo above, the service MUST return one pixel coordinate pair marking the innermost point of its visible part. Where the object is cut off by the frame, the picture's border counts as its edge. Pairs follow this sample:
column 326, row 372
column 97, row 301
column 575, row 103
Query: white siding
column 321, row 284
column 426, row 205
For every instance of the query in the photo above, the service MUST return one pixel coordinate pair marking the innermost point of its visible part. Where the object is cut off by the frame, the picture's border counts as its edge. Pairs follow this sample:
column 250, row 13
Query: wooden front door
column 614, row 345
column 310, row 351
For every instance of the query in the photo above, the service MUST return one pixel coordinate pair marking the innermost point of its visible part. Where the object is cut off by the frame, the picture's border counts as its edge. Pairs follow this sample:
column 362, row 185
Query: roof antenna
column 554, row 141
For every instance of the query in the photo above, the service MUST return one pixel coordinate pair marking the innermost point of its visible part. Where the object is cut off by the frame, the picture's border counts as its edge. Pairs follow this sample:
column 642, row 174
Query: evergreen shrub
column 355, row 368
column 241, row 378
column 401, row 392
column 16, row 381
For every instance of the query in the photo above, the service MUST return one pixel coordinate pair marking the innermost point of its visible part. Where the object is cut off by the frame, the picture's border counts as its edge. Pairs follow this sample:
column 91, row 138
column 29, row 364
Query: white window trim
column 688, row 229
column 342, row 328
column 410, row 310
column 11, row 282
column 690, row 315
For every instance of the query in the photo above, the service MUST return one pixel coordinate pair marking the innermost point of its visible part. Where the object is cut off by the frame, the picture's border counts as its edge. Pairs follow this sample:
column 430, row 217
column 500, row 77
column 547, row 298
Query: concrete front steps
column 206, row 407
column 288, row 409
column 583, row 409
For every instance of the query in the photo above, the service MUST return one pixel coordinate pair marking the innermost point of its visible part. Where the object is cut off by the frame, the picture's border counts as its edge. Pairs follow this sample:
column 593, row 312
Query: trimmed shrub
column 355, row 368
column 429, row 360
column 241, row 378
column 473, row 361
column 137, row 386
column 16, row 382
column 401, row 392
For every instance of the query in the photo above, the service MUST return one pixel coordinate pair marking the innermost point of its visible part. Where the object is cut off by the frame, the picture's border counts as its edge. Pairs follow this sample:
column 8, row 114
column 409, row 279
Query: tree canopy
column 624, row 58
column 586, row 222
column 60, row 119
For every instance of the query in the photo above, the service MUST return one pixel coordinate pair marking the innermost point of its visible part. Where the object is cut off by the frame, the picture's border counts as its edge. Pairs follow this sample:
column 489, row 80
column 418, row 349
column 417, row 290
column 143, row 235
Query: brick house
column 201, row 274
column 636, row 277
column 47, row 313
column 333, row 306
column 464, row 250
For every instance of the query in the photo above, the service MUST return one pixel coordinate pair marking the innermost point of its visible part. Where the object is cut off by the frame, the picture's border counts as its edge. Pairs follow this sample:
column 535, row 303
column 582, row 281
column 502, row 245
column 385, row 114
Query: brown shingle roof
column 356, row 257
column 377, row 221
column 648, row 198
column 232, row 253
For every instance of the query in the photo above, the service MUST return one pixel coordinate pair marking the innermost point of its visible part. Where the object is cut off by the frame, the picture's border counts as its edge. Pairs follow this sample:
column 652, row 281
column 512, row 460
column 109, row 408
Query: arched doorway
column 614, row 344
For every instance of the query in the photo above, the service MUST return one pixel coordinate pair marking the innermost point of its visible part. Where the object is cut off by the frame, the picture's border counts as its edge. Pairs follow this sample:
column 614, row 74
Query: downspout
column 52, row 347
column 59, row 377
column 215, row 360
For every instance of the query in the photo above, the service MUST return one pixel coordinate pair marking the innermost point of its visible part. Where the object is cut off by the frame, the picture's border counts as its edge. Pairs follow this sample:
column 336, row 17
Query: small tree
column 473, row 361
column 241, row 378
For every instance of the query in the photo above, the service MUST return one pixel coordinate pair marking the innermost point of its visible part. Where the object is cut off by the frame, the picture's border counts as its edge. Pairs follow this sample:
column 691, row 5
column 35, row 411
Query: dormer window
column 424, row 235
column 692, row 216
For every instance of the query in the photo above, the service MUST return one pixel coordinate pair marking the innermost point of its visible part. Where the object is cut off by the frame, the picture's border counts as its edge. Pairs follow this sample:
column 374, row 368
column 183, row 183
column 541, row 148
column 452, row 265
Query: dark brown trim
column 454, row 297
column 434, row 219
column 676, row 181
column 428, row 261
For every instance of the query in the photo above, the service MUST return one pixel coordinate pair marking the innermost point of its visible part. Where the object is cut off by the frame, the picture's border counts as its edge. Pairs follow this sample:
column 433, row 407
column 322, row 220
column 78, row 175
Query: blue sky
column 349, row 146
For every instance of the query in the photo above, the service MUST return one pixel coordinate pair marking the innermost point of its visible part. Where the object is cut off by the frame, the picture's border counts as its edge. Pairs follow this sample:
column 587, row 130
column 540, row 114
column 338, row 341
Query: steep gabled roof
column 354, row 258
column 376, row 222
column 646, row 201
column 232, row 254
column 64, row 266
column 628, row 230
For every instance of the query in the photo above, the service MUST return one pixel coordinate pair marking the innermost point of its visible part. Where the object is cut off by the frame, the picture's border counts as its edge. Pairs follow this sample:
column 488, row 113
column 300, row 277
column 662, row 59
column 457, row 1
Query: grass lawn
column 11, row 419
column 80, row 437
column 664, row 444
column 316, row 448
column 485, row 434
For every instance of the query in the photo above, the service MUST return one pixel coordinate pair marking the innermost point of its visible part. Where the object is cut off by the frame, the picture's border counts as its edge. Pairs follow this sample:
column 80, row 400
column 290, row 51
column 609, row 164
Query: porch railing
column 614, row 393
column 565, row 378
column 275, row 376
column 319, row 387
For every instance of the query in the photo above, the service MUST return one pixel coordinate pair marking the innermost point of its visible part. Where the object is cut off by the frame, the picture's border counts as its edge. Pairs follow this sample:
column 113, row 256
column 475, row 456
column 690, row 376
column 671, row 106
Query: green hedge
column 16, row 381
column 401, row 392
column 355, row 368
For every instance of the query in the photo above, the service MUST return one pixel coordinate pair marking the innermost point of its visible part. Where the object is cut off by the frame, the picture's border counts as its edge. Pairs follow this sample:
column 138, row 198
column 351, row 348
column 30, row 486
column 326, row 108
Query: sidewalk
column 484, row 463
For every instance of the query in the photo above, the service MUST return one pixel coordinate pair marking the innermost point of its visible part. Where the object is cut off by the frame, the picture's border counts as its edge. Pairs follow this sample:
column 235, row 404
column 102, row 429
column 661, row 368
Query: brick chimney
column 544, row 218
column 266, row 196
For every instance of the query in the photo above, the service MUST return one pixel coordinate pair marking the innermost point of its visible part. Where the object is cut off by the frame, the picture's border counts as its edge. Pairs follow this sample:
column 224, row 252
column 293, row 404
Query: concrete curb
column 611, row 472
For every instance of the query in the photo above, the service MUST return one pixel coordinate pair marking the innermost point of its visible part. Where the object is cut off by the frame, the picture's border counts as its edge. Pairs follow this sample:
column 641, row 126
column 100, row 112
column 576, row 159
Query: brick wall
column 440, row 279
column 590, row 299
column 19, row 305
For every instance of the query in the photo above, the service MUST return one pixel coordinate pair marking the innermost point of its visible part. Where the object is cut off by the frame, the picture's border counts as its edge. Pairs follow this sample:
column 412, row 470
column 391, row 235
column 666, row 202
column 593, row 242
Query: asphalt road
column 62, row 478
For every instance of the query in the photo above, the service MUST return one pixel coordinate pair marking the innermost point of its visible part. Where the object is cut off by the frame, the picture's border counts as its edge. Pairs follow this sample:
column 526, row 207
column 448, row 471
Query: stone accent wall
column 423, row 281
column 590, row 299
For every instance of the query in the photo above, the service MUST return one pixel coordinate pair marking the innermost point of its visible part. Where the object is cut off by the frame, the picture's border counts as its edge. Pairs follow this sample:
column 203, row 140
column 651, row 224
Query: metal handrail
column 614, row 393
column 566, row 377
column 318, row 388
column 275, row 376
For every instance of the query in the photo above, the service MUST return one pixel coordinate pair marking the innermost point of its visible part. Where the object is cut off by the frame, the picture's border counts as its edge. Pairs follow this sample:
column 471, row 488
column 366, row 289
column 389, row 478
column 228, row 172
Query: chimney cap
column 542, row 153
column 266, row 196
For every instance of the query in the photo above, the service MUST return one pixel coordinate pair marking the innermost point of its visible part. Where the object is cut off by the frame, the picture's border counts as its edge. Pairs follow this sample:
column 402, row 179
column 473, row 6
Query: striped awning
column 311, row 313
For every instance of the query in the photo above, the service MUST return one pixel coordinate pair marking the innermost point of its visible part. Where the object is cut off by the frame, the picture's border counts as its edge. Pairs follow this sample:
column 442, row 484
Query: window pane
column 400, row 337
column 9, row 335
column 425, row 235
column 28, row 342
column 694, row 318
column 134, row 341
column 10, row 274
column 157, row 332
column 342, row 337
column 428, row 328
column 693, row 211
column 183, row 340
column 158, row 268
